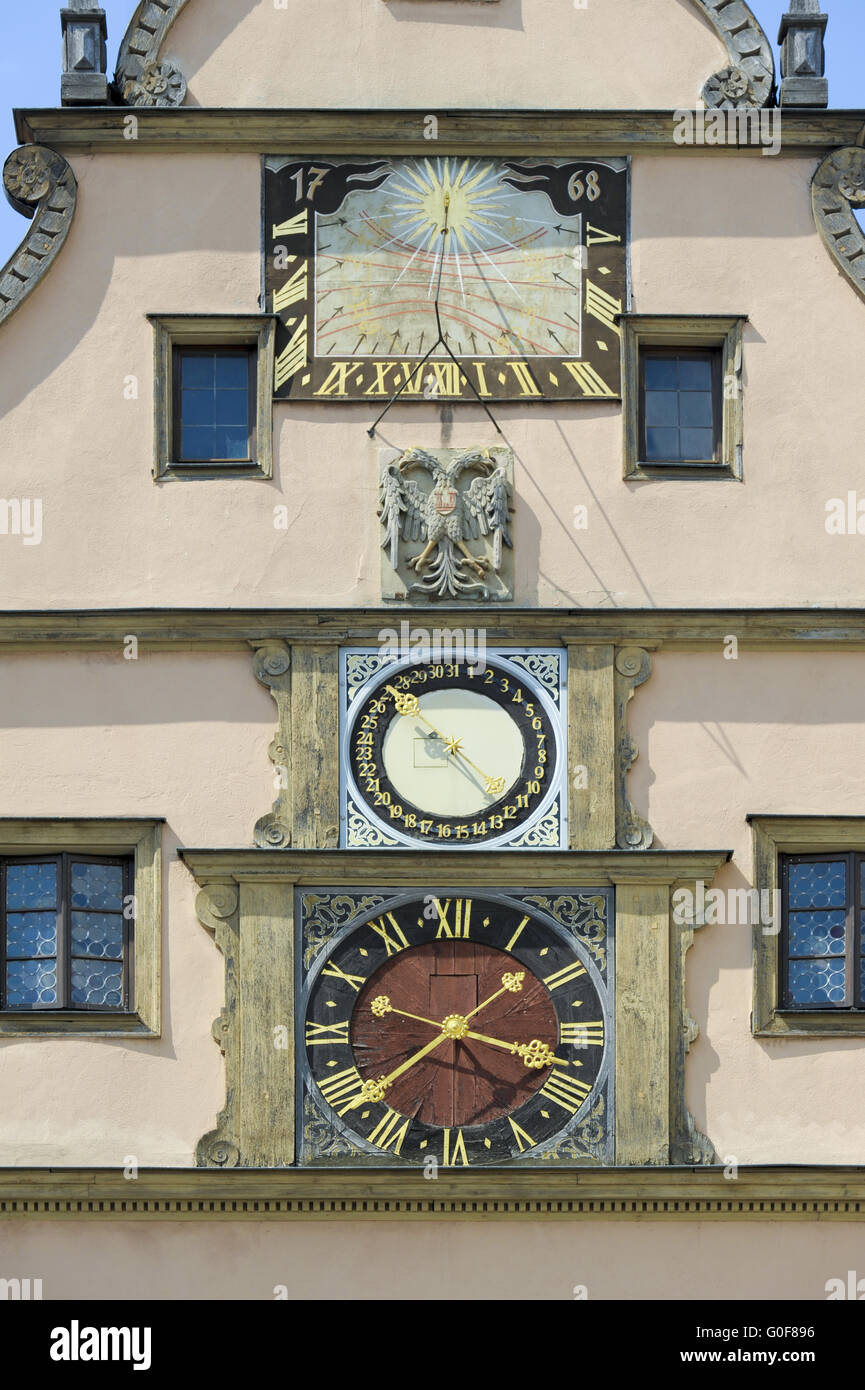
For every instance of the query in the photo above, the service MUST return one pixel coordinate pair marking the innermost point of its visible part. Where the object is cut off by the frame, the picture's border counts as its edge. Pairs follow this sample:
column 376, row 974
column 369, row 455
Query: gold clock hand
column 534, row 1054
column 375, row 1090
column 407, row 704
column 511, row 983
column 381, row 1005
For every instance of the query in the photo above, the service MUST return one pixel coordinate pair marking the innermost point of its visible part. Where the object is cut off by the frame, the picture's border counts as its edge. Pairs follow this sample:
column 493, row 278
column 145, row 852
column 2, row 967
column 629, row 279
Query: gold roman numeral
column 295, row 226
column 326, row 1034
column 583, row 1034
column 295, row 288
column 447, row 378
column 386, row 1133
column 380, row 927
column 293, row 356
column 462, row 913
column 603, row 306
column 565, row 975
column 457, row 1154
column 590, row 382
column 565, row 1091
column 600, row 235
column 517, row 934
column 525, row 1141
column 336, row 383
column 526, row 382
column 356, row 981
column 335, row 1089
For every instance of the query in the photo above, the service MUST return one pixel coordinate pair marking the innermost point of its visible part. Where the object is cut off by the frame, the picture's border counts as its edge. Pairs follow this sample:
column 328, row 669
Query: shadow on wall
column 203, row 40
column 487, row 14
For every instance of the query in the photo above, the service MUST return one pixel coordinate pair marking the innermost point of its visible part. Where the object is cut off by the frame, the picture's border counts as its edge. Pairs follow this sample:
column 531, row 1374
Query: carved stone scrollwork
column 633, row 667
column 838, row 187
column 272, row 666
column 142, row 78
column 749, row 80
column 39, row 183
column 216, row 908
column 688, row 1145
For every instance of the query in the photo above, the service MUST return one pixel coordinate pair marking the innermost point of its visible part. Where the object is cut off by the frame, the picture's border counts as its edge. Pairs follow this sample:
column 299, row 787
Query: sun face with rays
column 459, row 200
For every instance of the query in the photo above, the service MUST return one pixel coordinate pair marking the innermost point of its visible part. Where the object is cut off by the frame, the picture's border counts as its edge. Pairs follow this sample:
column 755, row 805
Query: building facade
column 432, row 584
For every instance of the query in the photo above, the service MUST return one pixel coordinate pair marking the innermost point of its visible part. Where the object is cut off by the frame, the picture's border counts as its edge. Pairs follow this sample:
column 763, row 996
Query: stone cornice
column 689, row 1194
column 401, row 131
column 644, row 627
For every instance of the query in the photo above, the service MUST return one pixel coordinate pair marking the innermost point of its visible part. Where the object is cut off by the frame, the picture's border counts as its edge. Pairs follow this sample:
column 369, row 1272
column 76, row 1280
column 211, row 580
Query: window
column 214, row 405
column 821, row 959
column 213, row 393
column 682, row 396
column 680, row 406
column 80, row 927
column 808, row 947
column 66, row 935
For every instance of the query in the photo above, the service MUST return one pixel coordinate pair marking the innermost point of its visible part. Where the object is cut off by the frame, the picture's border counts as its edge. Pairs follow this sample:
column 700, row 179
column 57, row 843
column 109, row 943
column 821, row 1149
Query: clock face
column 526, row 261
column 446, row 754
column 454, row 1026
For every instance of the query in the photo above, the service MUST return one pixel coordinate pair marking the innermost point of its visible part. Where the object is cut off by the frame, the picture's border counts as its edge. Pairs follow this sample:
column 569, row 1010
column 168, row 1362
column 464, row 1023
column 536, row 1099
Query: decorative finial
column 85, row 33
column 803, row 56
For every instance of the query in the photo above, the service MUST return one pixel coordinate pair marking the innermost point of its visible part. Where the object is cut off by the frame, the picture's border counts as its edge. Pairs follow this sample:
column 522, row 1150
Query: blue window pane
column 97, row 982
column 661, row 374
column 695, row 410
column 695, row 375
column 232, row 408
column 197, row 370
column 30, row 982
column 818, row 885
column 98, row 935
column 197, row 444
column 31, row 886
column 231, row 443
column 817, row 981
column 97, row 886
column 232, row 371
column 197, row 408
column 662, row 444
column 662, row 408
column 697, row 444
column 31, row 934
column 817, row 933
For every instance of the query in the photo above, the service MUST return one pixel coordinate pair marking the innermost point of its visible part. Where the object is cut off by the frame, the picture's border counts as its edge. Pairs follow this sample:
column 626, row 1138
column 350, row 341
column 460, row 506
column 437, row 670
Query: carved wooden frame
column 303, row 678
column 772, row 836
column 40, row 184
column 839, row 186
column 246, row 899
column 211, row 330
column 141, row 838
column 682, row 331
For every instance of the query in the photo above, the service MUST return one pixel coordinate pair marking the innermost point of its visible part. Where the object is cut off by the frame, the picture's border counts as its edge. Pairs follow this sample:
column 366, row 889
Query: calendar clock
column 458, row 1027
column 456, row 753
column 446, row 277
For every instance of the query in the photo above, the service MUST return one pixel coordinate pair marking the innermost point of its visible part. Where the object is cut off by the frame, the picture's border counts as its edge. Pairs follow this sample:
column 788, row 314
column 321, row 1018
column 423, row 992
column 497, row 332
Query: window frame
column 776, row 840
column 211, row 333
column 680, row 334
column 39, row 838
column 63, row 957
column 852, row 939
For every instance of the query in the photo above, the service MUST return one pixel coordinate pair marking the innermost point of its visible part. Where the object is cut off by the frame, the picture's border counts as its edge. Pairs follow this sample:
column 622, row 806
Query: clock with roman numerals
column 446, row 277
column 455, row 1028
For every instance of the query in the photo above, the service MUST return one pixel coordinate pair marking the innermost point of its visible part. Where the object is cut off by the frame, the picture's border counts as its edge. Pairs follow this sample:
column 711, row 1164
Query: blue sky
column 30, row 64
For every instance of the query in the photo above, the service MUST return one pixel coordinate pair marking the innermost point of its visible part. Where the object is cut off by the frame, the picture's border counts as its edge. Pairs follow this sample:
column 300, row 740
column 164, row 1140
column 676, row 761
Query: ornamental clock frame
column 454, row 754
column 457, row 1028
column 447, row 276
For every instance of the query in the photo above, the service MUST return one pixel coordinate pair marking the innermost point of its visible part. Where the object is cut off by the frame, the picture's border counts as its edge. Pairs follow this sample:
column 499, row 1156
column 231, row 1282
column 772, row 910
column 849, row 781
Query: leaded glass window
column 680, row 406
column 66, row 925
column 822, row 961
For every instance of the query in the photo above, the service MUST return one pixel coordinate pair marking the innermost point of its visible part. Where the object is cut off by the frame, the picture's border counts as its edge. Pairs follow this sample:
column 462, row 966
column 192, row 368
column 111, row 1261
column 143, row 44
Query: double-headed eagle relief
column 434, row 505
